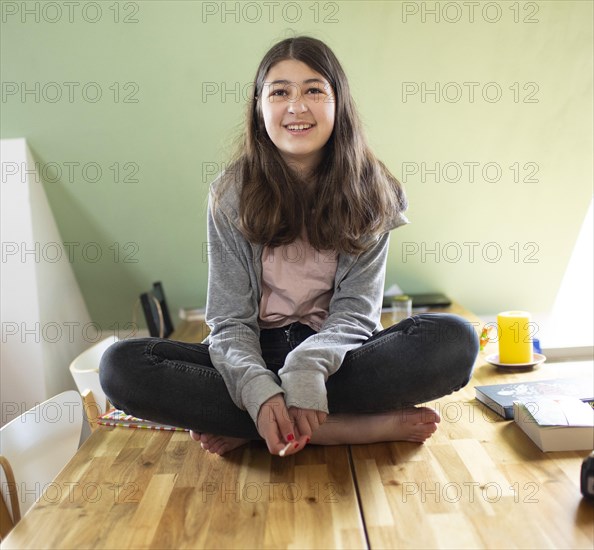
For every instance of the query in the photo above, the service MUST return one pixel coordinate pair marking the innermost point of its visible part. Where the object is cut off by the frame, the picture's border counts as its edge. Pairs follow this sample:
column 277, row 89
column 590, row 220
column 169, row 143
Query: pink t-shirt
column 297, row 284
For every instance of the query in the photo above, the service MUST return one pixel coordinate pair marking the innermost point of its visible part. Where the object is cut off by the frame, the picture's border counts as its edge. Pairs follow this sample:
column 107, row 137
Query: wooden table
column 479, row 482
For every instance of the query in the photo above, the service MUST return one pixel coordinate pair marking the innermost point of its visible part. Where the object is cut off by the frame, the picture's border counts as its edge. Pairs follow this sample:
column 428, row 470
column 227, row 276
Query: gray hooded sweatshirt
column 232, row 309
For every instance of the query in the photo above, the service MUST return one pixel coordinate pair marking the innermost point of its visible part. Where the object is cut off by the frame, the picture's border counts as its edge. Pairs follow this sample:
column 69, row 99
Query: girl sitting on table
column 298, row 231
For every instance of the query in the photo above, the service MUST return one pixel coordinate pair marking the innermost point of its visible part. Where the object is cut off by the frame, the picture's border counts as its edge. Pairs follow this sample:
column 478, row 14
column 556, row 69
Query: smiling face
column 298, row 108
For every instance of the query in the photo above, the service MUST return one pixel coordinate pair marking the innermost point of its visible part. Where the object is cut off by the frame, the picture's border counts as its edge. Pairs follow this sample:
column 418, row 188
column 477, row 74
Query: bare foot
column 414, row 424
column 217, row 444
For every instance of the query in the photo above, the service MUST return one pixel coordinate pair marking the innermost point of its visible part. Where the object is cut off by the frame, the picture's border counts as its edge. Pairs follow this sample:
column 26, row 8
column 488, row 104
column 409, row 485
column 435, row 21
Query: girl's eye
column 280, row 92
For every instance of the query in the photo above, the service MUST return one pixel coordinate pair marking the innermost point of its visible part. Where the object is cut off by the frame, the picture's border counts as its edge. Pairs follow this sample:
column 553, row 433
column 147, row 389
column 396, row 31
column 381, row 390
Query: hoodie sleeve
column 232, row 315
column 354, row 313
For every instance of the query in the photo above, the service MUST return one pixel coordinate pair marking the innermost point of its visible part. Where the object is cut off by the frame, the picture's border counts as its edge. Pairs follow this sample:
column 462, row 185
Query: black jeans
column 415, row 361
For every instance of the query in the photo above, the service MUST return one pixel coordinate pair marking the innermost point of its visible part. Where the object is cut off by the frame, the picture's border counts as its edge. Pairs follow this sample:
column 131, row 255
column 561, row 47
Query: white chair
column 37, row 445
column 9, row 517
column 85, row 371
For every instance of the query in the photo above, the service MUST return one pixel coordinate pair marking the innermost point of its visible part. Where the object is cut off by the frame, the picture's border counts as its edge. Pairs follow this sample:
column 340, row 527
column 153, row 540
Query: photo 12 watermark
column 292, row 253
column 52, row 332
column 69, row 92
column 445, row 12
column 71, row 171
column 243, row 92
column 70, row 12
column 470, row 171
column 271, row 12
column 470, row 252
column 71, row 251
column 73, row 491
column 450, row 412
column 48, row 412
column 227, row 92
column 468, row 492
column 469, row 92
column 252, row 492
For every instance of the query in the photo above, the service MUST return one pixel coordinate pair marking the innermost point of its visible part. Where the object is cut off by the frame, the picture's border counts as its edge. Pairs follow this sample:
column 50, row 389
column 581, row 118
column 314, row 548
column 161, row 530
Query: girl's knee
column 121, row 352
column 456, row 340
column 119, row 365
column 463, row 345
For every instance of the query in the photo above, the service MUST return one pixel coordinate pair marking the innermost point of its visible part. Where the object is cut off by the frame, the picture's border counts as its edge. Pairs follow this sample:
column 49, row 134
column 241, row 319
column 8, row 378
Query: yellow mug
column 515, row 338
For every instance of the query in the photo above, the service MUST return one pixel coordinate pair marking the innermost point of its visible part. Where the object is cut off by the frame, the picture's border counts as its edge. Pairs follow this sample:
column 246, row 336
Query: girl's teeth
column 300, row 127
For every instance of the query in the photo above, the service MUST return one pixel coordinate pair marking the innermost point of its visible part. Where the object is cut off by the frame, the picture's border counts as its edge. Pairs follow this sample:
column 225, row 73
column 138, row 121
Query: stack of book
column 561, row 424
column 557, row 414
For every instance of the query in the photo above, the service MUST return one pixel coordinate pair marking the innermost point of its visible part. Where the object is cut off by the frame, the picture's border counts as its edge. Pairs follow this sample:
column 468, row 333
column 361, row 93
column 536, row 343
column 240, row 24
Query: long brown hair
column 354, row 195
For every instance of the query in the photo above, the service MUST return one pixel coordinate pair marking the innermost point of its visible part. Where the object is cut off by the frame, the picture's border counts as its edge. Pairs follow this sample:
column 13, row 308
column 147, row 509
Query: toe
column 429, row 415
column 207, row 439
column 220, row 449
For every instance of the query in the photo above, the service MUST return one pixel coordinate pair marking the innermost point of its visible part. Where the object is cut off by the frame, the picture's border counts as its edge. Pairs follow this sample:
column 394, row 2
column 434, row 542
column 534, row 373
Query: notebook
column 121, row 419
column 500, row 397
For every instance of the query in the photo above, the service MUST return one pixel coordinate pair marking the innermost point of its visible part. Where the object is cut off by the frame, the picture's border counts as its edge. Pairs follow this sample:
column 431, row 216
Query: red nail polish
column 307, row 439
column 296, row 445
column 290, row 437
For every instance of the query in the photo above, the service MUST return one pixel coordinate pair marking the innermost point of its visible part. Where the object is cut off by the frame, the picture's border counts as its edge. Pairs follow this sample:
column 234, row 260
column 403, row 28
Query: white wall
column 42, row 309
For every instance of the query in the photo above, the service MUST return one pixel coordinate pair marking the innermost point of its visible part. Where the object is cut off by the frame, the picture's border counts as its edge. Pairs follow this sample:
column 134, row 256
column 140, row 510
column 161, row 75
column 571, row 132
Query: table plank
column 130, row 488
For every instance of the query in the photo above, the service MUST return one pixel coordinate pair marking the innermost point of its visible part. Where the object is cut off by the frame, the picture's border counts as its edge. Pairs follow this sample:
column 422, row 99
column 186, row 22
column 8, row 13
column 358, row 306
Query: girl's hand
column 274, row 425
column 306, row 422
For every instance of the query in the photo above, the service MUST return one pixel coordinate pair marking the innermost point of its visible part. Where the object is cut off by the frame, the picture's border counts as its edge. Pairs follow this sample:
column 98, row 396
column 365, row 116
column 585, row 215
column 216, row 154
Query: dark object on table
column 156, row 312
column 587, row 476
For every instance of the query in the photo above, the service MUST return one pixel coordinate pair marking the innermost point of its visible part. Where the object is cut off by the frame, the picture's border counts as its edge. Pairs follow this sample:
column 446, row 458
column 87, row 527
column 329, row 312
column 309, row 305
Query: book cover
column 500, row 397
column 121, row 419
column 556, row 424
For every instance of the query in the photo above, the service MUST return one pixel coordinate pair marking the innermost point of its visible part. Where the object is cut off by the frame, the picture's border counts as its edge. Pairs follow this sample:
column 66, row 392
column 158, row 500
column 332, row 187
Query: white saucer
column 538, row 358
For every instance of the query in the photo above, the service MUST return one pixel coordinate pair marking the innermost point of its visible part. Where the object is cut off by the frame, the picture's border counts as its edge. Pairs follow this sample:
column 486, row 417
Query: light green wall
column 173, row 132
